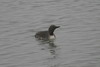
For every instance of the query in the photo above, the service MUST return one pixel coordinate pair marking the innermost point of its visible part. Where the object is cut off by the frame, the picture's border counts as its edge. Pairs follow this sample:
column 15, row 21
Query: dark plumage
column 46, row 35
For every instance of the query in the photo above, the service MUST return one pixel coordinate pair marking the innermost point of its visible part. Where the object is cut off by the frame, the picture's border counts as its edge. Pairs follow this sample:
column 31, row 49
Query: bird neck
column 51, row 31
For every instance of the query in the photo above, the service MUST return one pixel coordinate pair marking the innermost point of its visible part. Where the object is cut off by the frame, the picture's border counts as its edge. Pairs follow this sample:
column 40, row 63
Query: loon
column 47, row 35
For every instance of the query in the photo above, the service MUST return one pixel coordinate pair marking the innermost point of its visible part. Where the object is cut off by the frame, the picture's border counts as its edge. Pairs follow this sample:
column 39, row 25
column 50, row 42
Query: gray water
column 77, row 41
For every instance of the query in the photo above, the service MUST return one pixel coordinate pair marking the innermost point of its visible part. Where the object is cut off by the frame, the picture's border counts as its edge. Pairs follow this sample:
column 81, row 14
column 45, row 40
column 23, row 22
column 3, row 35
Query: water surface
column 77, row 40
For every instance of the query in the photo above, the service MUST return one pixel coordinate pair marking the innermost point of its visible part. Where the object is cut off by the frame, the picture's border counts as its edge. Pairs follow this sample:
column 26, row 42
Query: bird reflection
column 50, row 45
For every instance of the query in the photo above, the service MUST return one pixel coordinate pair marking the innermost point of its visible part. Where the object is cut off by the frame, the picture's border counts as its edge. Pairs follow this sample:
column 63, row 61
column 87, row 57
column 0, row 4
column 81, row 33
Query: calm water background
column 78, row 38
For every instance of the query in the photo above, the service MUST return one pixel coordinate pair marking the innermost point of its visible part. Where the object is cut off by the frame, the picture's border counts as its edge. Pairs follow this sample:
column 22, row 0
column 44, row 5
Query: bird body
column 47, row 35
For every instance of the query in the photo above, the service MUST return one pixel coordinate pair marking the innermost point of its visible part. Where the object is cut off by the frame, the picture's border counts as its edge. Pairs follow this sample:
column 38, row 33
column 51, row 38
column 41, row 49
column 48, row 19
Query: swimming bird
column 47, row 35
